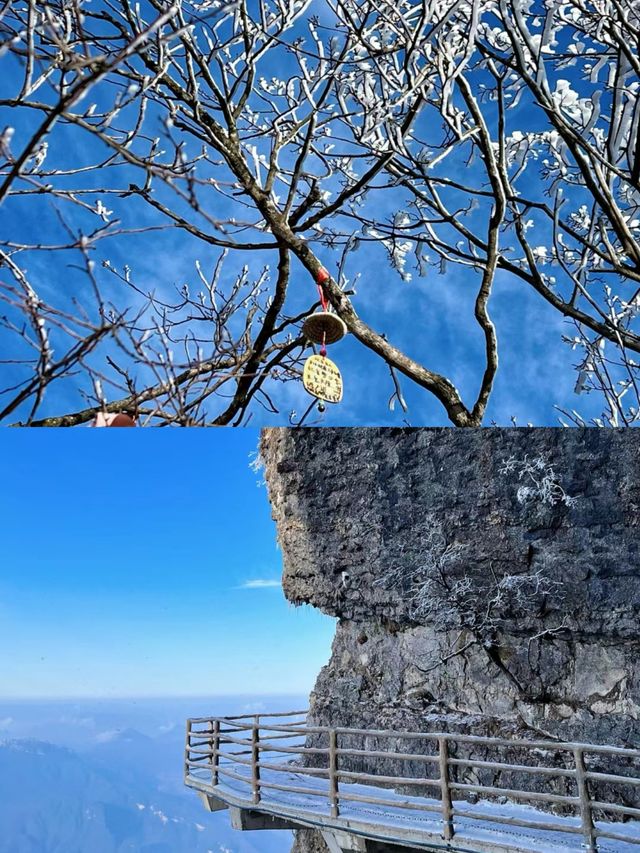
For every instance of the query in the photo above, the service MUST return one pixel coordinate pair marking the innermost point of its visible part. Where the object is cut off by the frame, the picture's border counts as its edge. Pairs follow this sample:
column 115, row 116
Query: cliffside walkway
column 466, row 794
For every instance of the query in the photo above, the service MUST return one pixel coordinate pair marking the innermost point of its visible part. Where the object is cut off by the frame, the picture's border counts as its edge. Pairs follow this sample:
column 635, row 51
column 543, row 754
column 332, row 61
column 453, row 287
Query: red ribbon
column 321, row 278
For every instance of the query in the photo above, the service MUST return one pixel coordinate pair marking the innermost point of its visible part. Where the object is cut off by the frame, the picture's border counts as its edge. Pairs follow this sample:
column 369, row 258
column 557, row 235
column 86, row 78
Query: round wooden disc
column 324, row 327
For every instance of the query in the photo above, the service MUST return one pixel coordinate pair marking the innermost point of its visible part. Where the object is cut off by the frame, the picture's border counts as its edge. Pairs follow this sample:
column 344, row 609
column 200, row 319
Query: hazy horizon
column 135, row 698
column 109, row 777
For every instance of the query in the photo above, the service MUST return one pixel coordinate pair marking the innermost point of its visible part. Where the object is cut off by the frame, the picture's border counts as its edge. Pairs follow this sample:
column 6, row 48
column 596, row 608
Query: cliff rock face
column 485, row 581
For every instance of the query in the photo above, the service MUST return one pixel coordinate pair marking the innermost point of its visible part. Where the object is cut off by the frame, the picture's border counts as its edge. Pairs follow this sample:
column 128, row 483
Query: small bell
column 324, row 327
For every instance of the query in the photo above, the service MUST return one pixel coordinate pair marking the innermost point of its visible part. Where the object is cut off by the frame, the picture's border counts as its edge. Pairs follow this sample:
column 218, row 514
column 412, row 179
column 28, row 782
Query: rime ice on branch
column 256, row 142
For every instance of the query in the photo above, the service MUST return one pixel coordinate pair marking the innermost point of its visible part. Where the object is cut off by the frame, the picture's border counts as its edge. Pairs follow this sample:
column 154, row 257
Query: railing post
column 334, row 792
column 445, row 790
column 586, row 815
column 187, row 753
column 255, row 759
column 215, row 746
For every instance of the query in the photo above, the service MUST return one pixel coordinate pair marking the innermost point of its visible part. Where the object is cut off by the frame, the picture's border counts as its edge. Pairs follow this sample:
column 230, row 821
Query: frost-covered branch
column 499, row 139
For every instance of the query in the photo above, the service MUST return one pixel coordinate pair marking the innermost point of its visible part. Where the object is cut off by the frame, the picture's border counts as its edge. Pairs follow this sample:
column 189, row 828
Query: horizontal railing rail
column 241, row 747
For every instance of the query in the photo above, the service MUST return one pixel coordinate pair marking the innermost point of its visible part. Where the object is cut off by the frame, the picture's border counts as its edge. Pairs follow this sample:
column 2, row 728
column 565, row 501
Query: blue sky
column 129, row 569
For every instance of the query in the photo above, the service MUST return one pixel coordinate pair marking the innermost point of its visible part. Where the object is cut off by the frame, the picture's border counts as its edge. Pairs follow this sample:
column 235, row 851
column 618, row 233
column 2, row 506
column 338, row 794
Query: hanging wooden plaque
column 322, row 379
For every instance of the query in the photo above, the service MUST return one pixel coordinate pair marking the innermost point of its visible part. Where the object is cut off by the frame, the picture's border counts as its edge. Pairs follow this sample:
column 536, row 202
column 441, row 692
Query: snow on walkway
column 386, row 817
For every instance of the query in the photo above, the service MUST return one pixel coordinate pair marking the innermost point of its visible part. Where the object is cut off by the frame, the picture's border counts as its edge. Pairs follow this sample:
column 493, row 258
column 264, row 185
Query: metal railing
column 241, row 747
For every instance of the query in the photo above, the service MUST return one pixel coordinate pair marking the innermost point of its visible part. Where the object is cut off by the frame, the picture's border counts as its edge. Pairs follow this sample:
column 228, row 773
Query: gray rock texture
column 356, row 507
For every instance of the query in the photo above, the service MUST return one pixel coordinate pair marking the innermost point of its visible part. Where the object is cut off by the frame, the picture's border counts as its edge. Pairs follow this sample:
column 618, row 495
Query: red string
column 321, row 277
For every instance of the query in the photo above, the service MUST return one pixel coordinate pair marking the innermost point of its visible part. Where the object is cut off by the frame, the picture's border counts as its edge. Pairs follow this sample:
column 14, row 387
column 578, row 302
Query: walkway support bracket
column 212, row 804
column 246, row 819
column 343, row 842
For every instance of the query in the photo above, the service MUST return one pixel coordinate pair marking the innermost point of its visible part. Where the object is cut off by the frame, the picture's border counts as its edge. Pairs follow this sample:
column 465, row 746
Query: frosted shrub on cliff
column 538, row 481
column 445, row 591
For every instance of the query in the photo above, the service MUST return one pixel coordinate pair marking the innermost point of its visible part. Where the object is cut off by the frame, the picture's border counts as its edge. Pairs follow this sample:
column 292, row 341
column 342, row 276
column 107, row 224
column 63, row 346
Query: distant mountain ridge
column 56, row 800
